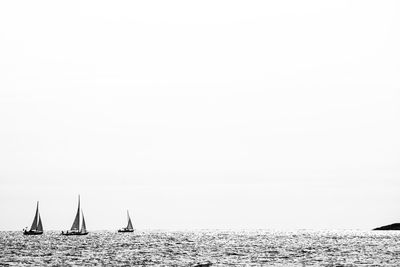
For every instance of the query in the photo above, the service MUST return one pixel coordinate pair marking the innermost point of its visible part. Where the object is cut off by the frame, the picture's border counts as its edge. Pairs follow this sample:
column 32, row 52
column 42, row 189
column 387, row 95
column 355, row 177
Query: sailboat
column 75, row 226
column 129, row 227
column 36, row 227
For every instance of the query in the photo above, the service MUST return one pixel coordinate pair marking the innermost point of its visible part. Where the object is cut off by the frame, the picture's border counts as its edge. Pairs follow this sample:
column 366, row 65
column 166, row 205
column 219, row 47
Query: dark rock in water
column 394, row 226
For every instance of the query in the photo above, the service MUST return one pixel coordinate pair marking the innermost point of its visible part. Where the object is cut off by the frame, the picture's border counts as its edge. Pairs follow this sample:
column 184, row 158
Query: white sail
column 130, row 227
column 35, row 220
column 83, row 228
column 40, row 226
column 75, row 225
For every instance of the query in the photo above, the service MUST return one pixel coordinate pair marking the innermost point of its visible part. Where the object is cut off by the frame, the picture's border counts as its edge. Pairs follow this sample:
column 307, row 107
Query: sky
column 200, row 114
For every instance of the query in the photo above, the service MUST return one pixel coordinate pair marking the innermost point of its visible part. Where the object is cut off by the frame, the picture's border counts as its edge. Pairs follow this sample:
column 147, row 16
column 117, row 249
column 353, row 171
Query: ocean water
column 219, row 248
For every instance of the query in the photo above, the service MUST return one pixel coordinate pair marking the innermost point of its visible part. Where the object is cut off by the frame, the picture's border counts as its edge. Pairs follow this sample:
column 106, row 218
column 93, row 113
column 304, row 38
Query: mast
column 35, row 220
column 75, row 225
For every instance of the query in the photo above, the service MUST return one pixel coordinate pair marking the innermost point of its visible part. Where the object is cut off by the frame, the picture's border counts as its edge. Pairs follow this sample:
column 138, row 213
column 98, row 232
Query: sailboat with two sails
column 36, row 227
column 129, row 227
column 75, row 230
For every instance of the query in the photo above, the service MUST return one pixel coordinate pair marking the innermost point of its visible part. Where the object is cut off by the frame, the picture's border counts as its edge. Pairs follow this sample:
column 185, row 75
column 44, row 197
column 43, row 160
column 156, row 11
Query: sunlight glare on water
column 188, row 248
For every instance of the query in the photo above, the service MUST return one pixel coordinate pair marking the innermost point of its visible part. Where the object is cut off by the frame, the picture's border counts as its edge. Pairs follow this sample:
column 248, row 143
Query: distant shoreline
column 390, row 227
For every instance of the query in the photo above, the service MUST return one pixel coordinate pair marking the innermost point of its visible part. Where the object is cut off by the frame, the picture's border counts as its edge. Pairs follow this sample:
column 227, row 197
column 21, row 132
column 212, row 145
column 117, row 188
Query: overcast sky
column 200, row 114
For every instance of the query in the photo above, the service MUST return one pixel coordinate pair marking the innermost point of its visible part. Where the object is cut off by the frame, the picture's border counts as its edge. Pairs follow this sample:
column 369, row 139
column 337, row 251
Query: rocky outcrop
column 394, row 226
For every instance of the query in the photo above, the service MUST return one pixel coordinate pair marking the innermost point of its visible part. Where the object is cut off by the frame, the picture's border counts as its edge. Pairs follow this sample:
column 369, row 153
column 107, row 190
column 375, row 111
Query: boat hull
column 74, row 233
column 125, row 231
column 33, row 232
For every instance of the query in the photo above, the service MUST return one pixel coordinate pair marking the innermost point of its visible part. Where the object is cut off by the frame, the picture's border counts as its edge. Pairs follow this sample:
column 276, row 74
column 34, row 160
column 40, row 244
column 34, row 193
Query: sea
column 203, row 248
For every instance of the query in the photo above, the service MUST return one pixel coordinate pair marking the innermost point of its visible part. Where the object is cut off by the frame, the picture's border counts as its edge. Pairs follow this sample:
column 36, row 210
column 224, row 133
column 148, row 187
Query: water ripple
column 202, row 248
